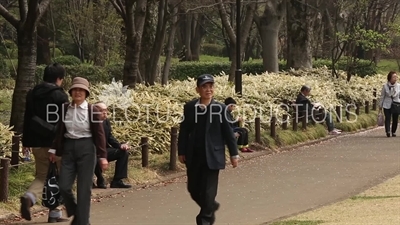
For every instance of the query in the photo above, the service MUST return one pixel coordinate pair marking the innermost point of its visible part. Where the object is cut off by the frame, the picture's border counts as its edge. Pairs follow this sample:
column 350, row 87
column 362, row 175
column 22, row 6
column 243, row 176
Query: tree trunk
column 158, row 42
column 43, row 45
column 99, row 56
column 134, row 27
column 300, row 19
column 197, row 33
column 188, row 37
column 245, row 31
column 269, row 24
column 25, row 77
column 170, row 44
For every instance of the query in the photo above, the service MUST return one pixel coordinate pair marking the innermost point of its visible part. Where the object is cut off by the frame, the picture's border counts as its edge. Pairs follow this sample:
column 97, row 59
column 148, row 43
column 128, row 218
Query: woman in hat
column 79, row 141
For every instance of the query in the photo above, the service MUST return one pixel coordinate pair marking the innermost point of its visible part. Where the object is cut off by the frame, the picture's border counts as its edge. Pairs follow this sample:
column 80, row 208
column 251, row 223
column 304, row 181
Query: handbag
column 40, row 126
column 51, row 196
column 380, row 120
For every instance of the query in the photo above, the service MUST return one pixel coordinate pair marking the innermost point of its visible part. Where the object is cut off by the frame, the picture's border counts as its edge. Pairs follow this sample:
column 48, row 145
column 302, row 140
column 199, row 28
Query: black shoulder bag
column 395, row 107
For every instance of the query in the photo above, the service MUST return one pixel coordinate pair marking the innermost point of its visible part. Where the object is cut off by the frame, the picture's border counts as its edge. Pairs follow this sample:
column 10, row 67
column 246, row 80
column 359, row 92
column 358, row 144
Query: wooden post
column 15, row 150
column 321, row 115
column 4, row 171
column 273, row 126
column 295, row 120
column 347, row 113
column 145, row 151
column 357, row 109
column 258, row 130
column 366, row 107
column 338, row 113
column 284, row 122
column 173, row 148
column 374, row 101
column 304, row 122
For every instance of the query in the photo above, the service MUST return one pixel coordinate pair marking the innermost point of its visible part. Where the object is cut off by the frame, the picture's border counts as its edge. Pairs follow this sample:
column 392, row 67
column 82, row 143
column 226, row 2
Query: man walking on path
column 203, row 134
column 43, row 103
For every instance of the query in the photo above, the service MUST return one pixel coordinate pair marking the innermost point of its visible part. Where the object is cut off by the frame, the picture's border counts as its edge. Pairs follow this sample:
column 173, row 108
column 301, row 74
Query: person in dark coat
column 305, row 107
column 43, row 104
column 203, row 134
column 241, row 133
column 115, row 152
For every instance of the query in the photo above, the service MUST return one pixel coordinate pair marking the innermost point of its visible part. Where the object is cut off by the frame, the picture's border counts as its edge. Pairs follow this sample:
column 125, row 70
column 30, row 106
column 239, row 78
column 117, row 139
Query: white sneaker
column 334, row 132
column 337, row 130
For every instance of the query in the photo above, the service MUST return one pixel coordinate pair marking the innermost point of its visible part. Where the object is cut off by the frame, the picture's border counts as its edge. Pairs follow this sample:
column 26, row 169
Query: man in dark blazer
column 305, row 108
column 115, row 152
column 203, row 133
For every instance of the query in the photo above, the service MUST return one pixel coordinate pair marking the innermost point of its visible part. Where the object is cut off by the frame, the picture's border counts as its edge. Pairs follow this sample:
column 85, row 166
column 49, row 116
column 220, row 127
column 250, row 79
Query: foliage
column 93, row 73
column 4, row 71
column 5, row 140
column 212, row 49
column 8, row 48
column 183, row 70
column 67, row 60
column 152, row 111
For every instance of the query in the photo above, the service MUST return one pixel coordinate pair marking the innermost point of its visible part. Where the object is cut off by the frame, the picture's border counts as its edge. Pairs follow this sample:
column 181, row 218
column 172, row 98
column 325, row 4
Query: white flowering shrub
column 152, row 110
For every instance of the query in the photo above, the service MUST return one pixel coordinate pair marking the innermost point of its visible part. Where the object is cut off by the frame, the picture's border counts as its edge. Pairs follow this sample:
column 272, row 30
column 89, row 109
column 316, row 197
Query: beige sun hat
column 80, row 82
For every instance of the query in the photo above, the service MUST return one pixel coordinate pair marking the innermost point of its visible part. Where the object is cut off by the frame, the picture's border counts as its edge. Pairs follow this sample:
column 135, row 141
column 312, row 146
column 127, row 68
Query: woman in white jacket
column 390, row 93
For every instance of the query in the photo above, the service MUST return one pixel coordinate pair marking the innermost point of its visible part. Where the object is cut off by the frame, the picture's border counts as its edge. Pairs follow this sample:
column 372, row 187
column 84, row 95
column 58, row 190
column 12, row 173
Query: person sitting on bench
column 115, row 152
column 241, row 133
column 304, row 105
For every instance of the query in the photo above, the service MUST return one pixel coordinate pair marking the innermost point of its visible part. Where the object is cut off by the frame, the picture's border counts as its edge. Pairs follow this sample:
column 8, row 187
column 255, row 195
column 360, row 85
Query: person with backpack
column 43, row 104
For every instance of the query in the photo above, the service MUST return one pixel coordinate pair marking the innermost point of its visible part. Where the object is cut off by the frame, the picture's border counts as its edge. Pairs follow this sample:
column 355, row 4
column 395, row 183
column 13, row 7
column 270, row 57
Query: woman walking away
column 79, row 140
column 389, row 102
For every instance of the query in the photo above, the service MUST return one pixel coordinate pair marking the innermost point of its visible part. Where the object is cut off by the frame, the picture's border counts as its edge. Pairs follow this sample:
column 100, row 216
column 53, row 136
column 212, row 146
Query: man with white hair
column 115, row 152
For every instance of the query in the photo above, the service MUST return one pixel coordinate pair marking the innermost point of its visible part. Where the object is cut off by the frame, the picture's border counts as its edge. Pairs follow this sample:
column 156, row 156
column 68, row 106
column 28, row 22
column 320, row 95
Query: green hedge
column 67, row 60
column 183, row 70
column 92, row 73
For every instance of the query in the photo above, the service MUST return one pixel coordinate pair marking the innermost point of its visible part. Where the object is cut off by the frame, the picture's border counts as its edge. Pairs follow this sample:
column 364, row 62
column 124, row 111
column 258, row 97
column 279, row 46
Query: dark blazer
column 303, row 104
column 110, row 139
column 218, row 133
column 96, row 126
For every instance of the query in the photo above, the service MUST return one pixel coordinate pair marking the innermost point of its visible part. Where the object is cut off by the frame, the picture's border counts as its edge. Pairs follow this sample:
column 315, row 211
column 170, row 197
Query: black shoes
column 119, row 184
column 26, row 205
column 388, row 134
column 393, row 135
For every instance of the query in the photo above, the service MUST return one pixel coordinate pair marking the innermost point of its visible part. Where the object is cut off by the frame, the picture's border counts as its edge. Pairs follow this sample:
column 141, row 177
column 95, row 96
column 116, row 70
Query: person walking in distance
column 39, row 131
column 203, row 133
column 390, row 94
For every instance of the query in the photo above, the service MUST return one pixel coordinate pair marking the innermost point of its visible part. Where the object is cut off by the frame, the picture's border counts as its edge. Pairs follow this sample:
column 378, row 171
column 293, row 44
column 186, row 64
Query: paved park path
column 265, row 188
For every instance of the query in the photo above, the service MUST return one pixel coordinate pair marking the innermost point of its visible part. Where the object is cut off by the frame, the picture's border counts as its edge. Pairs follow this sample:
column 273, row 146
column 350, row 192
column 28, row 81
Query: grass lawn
column 386, row 65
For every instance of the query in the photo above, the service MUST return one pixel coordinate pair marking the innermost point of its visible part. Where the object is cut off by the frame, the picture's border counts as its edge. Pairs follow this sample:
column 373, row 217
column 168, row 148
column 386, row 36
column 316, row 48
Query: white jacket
column 387, row 93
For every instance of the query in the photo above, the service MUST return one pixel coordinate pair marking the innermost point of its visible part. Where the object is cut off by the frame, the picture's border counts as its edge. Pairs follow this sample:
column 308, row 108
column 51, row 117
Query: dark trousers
column 202, row 184
column 243, row 138
column 78, row 161
column 121, row 166
column 389, row 116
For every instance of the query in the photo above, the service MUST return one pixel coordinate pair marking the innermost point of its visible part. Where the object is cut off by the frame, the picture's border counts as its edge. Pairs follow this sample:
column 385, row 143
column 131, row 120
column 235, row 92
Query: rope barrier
column 20, row 164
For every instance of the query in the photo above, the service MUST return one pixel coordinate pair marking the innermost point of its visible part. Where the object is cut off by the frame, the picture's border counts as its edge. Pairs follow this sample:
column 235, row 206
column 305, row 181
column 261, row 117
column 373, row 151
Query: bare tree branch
column 44, row 5
column 23, row 9
column 225, row 21
column 119, row 7
column 8, row 16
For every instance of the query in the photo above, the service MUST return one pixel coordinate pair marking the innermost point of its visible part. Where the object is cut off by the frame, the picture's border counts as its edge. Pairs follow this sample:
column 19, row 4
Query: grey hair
column 305, row 88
